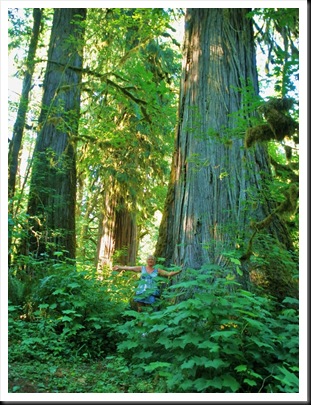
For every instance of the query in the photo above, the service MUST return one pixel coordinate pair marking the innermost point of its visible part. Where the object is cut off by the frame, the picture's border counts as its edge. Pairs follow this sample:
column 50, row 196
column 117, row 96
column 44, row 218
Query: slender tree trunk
column 19, row 125
column 217, row 186
column 52, row 197
column 106, row 243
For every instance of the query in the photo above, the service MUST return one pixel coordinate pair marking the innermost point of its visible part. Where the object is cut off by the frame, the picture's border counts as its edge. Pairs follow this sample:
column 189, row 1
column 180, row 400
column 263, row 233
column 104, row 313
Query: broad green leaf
column 216, row 363
column 166, row 342
column 202, row 383
column 242, row 367
column 186, row 385
column 77, row 326
column 188, row 364
column 190, row 339
column 157, row 328
column 291, row 300
column 207, row 299
column 252, row 383
column 73, row 285
column 58, row 254
column 235, row 261
column 207, row 344
column 184, row 315
column 78, row 304
column 260, row 343
column 163, row 373
column 66, row 319
column 253, row 314
column 203, row 361
column 143, row 355
column 43, row 306
column 224, row 333
column 231, row 382
column 256, row 324
column 157, row 364
column 59, row 291
column 288, row 378
column 253, row 374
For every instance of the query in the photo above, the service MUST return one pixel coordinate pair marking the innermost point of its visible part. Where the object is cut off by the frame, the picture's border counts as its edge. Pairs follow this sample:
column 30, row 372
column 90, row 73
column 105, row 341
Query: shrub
column 70, row 314
column 222, row 339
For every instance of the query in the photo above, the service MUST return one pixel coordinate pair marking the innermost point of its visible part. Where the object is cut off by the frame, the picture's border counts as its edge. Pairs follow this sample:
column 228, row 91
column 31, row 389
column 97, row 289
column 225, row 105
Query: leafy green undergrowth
column 63, row 337
column 110, row 375
column 69, row 314
column 206, row 335
column 222, row 339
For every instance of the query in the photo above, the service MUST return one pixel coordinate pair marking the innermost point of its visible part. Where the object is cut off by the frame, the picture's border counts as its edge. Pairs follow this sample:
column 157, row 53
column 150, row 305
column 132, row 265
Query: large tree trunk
column 52, row 197
column 216, row 186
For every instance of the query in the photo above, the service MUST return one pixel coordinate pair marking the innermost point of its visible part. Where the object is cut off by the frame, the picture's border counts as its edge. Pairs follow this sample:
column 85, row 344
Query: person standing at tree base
column 147, row 291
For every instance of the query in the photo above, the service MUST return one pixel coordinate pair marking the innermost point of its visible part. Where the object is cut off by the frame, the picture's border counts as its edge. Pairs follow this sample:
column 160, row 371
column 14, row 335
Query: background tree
column 19, row 125
column 20, row 122
column 128, row 116
column 51, row 204
column 220, row 192
column 277, row 36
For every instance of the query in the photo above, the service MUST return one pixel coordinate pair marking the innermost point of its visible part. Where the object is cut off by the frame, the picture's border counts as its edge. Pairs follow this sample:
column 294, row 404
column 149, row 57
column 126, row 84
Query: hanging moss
column 281, row 104
column 286, row 207
column 279, row 123
column 290, row 204
column 259, row 133
column 262, row 224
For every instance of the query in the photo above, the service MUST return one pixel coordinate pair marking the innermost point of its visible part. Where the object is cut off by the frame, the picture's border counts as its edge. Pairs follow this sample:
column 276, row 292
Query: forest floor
column 63, row 377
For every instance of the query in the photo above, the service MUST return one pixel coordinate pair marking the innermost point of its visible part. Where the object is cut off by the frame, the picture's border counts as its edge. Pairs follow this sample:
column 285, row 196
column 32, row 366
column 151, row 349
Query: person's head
column 151, row 260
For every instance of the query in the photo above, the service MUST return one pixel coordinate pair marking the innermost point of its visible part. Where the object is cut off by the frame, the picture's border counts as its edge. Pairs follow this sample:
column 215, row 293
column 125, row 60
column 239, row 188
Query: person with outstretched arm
column 147, row 290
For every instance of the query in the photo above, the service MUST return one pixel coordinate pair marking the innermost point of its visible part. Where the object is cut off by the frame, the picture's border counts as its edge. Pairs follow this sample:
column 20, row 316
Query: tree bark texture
column 52, row 197
column 216, row 185
column 117, row 232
